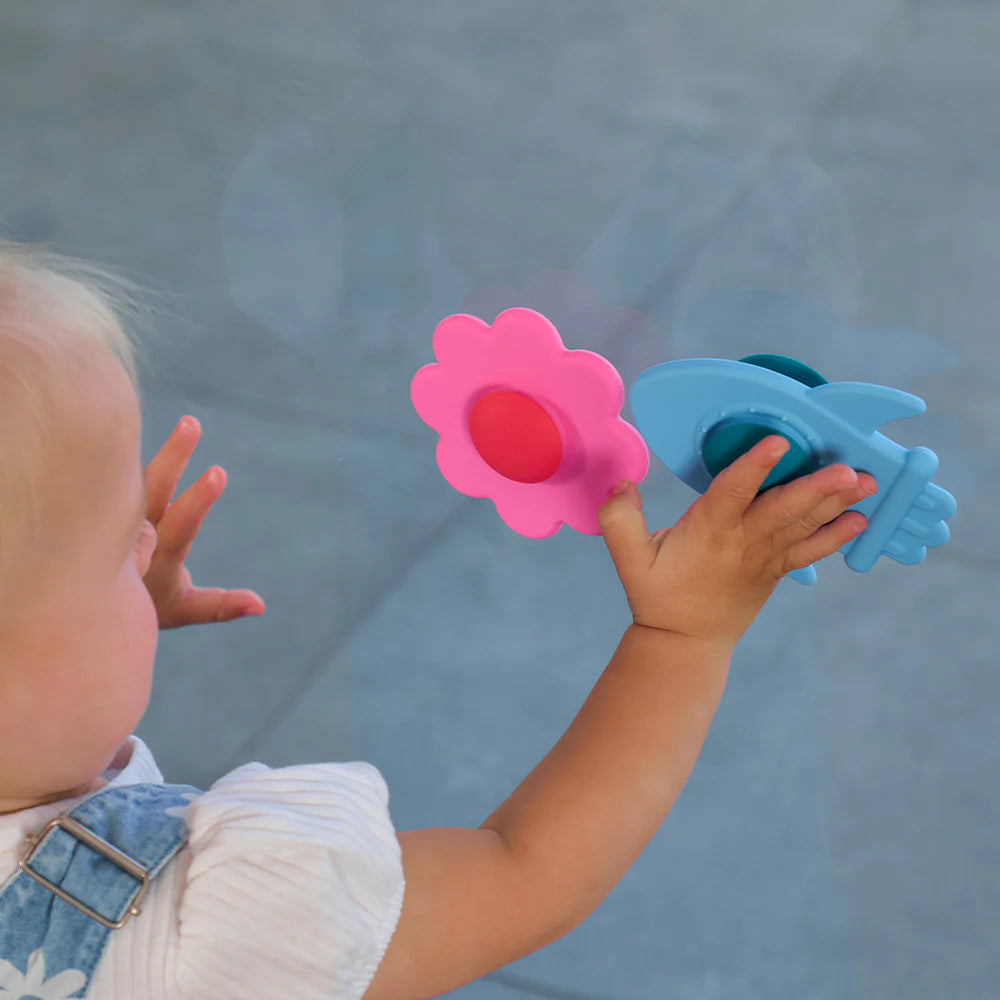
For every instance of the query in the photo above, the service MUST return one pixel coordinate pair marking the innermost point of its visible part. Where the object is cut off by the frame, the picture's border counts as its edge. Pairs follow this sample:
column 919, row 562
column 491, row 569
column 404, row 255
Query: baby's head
column 78, row 629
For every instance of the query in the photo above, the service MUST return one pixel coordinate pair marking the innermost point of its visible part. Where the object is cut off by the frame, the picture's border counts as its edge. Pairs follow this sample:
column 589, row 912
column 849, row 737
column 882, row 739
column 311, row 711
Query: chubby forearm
column 578, row 822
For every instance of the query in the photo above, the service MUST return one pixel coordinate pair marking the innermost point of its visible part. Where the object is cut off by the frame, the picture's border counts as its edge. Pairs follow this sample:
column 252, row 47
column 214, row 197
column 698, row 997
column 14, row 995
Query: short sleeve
column 294, row 885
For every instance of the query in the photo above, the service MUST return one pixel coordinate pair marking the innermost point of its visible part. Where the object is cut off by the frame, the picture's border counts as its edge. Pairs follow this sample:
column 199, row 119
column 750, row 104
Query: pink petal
column 459, row 339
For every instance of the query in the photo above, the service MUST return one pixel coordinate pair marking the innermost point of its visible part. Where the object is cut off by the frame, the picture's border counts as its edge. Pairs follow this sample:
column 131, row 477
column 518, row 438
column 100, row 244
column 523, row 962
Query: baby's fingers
column 165, row 470
column 623, row 526
column 825, row 541
column 183, row 519
column 729, row 496
column 800, row 508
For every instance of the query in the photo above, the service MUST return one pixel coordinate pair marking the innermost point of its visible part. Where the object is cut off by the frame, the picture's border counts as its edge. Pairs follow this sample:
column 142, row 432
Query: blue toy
column 699, row 415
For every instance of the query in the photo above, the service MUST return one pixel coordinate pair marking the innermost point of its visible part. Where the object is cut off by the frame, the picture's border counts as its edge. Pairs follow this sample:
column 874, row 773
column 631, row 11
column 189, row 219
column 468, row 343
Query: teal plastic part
column 729, row 439
column 787, row 366
column 698, row 415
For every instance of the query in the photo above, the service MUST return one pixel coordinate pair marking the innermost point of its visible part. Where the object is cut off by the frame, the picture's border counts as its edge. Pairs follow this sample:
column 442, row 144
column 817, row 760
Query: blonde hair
column 55, row 312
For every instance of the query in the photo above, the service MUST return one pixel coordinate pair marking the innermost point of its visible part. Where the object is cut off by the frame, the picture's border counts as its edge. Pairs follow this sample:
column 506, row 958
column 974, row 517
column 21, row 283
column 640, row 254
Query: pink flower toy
column 524, row 421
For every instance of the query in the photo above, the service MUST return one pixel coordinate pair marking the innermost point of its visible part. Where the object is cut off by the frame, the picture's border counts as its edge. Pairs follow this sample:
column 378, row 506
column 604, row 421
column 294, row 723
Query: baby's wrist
column 715, row 644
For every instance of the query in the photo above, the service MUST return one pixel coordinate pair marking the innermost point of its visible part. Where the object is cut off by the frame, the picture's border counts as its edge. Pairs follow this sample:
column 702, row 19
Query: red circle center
column 515, row 436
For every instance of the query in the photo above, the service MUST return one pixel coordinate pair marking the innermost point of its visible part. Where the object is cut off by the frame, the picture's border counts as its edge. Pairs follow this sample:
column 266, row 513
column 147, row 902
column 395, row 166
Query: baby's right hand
column 709, row 575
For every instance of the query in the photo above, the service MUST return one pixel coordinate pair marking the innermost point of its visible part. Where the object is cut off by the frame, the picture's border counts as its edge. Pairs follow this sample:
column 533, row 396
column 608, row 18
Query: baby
column 292, row 882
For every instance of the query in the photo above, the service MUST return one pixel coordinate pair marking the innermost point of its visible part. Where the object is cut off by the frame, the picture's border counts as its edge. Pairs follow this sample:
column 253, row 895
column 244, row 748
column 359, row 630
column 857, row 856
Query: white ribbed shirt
column 290, row 887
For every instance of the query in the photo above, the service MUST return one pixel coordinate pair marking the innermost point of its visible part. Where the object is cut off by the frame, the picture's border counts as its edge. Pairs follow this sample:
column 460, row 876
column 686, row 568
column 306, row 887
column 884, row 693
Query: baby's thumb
column 623, row 526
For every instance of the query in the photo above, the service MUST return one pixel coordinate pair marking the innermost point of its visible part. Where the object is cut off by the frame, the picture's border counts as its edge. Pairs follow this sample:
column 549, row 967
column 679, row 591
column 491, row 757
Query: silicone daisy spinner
column 526, row 422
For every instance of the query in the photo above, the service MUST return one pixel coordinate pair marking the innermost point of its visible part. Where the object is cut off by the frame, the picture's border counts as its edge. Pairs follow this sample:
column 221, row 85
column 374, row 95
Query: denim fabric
column 47, row 946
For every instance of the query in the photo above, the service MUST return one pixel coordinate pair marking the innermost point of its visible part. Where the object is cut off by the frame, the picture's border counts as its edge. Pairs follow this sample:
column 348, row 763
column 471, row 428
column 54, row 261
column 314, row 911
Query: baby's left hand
column 177, row 601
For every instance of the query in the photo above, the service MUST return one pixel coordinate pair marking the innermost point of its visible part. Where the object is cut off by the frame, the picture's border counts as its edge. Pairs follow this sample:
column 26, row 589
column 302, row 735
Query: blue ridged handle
column 918, row 467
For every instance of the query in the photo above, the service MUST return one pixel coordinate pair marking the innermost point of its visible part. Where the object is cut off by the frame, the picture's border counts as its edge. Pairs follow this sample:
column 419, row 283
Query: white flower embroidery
column 178, row 812
column 14, row 985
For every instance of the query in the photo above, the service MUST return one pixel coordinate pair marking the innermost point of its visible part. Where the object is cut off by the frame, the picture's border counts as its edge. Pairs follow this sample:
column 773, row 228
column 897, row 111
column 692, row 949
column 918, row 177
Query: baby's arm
column 541, row 863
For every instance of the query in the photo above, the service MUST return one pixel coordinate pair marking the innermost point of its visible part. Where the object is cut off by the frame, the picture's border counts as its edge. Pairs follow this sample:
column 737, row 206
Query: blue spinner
column 699, row 415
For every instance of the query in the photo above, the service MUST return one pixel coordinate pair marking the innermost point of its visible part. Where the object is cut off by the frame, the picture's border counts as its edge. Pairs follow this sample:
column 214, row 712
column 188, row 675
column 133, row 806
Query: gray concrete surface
column 309, row 187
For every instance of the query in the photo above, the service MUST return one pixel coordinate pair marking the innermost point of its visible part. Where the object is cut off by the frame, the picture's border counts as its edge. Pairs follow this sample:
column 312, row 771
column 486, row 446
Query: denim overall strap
column 102, row 854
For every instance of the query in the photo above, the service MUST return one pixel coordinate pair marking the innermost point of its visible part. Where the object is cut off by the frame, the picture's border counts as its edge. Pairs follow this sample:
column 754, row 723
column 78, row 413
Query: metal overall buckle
column 129, row 865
